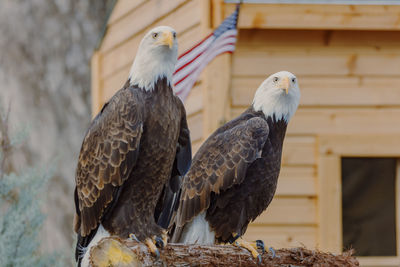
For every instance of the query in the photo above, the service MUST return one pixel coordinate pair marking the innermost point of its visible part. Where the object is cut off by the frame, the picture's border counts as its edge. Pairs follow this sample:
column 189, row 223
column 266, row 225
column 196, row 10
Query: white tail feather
column 198, row 231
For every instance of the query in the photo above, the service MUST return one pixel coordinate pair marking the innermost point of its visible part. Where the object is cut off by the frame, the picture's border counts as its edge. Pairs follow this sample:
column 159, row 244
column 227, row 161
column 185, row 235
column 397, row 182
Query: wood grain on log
column 116, row 252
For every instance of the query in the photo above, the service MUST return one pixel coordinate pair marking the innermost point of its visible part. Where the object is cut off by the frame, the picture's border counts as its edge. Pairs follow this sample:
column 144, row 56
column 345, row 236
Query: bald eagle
column 134, row 153
column 234, row 174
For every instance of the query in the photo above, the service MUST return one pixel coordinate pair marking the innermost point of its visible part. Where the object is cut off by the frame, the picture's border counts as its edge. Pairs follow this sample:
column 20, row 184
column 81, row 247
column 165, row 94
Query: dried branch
column 115, row 252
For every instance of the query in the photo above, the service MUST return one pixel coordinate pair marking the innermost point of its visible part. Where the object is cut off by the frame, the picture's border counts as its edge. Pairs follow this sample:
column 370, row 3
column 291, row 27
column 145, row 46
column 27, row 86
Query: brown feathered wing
column 220, row 163
column 108, row 154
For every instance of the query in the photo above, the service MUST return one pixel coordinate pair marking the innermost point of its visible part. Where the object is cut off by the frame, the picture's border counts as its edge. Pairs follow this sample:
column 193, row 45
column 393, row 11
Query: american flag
column 192, row 62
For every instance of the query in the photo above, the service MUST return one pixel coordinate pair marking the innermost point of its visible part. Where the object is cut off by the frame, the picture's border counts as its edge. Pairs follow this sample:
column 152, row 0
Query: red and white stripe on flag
column 191, row 63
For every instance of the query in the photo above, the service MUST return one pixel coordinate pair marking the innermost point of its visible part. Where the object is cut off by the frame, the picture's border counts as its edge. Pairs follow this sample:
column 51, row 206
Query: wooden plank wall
column 350, row 84
column 128, row 23
column 318, row 16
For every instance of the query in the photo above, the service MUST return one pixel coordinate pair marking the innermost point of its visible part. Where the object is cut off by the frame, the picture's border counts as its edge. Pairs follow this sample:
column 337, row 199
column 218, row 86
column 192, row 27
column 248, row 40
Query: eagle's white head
column 155, row 58
column 278, row 95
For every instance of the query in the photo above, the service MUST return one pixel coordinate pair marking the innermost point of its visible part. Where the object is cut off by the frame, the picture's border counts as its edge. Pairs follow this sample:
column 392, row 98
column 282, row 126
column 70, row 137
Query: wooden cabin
column 339, row 185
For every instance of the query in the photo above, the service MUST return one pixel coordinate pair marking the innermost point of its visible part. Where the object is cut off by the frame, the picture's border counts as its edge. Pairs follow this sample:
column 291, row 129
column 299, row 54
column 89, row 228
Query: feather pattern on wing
column 108, row 154
column 220, row 163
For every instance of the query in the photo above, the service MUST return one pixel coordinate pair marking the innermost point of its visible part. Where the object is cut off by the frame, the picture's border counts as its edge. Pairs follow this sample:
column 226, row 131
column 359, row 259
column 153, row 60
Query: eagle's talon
column 159, row 242
column 259, row 259
column 270, row 249
column 251, row 247
column 152, row 247
column 157, row 254
column 133, row 237
column 260, row 245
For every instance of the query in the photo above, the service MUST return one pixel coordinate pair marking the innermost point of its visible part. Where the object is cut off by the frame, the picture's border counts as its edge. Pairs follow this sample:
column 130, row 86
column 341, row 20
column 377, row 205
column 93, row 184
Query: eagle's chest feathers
column 270, row 163
column 161, row 129
column 277, row 131
column 163, row 118
column 156, row 150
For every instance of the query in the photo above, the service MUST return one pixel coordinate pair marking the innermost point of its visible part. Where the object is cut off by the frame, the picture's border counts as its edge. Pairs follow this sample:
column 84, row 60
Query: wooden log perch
column 116, row 252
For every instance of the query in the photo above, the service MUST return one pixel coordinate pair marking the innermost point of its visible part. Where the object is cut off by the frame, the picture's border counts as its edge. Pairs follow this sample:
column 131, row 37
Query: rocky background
column 45, row 50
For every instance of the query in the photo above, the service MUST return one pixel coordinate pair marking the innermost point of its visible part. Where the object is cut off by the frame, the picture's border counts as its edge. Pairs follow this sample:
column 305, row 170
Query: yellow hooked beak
column 285, row 84
column 166, row 38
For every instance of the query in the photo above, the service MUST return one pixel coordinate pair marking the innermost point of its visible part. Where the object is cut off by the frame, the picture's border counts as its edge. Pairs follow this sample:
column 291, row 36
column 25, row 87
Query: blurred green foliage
column 21, row 196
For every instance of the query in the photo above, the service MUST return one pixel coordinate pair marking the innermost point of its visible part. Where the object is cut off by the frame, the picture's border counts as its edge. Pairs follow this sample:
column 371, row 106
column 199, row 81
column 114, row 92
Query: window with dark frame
column 368, row 205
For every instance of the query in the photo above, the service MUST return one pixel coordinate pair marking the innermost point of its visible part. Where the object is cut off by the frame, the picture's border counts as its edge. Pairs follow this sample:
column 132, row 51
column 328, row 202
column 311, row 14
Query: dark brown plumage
column 233, row 176
column 134, row 153
column 126, row 159
column 224, row 180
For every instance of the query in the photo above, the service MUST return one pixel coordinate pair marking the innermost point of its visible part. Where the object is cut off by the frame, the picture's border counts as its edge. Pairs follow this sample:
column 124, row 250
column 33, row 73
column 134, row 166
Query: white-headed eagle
column 234, row 174
column 134, row 153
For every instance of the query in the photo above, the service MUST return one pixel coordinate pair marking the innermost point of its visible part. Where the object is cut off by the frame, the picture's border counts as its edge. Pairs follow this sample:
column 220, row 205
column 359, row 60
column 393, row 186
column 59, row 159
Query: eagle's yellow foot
column 250, row 247
column 259, row 244
column 152, row 247
column 164, row 238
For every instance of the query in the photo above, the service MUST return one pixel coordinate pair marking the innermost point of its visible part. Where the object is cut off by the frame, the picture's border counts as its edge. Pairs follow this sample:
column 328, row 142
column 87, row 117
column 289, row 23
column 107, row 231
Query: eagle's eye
column 276, row 79
column 154, row 34
column 174, row 34
column 293, row 80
